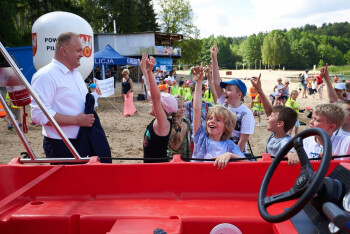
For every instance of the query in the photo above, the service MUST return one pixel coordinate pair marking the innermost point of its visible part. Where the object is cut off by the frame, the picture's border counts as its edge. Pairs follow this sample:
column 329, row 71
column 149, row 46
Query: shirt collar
column 62, row 67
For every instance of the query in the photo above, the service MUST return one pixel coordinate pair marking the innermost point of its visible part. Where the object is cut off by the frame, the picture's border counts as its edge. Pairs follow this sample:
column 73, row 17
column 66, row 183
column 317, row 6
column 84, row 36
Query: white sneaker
column 258, row 125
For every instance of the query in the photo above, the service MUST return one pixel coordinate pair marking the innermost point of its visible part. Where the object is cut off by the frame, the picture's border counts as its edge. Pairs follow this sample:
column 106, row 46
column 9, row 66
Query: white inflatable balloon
column 46, row 30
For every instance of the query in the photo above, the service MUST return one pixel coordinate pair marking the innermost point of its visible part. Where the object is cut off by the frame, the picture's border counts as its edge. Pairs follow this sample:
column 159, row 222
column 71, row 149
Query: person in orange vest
column 2, row 111
column 162, row 86
column 3, row 115
column 253, row 94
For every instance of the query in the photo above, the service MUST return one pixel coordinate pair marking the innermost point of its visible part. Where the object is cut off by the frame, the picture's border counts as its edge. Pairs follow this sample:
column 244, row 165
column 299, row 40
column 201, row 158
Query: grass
column 338, row 69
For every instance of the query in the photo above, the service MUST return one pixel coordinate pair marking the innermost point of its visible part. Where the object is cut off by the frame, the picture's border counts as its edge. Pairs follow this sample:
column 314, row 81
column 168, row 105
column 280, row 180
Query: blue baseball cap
column 92, row 86
column 236, row 82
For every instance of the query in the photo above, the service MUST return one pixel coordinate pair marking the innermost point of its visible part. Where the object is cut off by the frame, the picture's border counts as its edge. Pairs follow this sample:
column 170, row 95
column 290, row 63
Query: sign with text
column 105, row 88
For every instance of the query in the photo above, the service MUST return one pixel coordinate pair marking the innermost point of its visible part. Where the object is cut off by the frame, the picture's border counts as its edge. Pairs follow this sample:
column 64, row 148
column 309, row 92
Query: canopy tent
column 109, row 56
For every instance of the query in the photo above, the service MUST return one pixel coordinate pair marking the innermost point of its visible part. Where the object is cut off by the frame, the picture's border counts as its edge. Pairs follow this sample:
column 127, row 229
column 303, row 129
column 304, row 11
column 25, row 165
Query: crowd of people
column 218, row 128
column 203, row 119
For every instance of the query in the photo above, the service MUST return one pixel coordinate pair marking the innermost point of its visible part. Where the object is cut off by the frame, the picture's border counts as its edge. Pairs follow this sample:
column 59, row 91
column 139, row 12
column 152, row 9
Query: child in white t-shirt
column 213, row 140
column 231, row 94
column 329, row 117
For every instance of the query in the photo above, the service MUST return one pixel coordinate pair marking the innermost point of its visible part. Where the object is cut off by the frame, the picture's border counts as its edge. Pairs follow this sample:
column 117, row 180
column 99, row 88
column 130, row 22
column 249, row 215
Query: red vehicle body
column 178, row 197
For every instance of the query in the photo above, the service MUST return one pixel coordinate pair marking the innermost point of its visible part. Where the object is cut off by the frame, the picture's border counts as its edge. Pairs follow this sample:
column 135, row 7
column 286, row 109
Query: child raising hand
column 213, row 141
column 163, row 106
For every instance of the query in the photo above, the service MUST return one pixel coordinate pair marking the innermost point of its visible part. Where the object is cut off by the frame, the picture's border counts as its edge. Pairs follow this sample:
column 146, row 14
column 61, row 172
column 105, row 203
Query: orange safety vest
column 2, row 111
column 163, row 88
column 253, row 92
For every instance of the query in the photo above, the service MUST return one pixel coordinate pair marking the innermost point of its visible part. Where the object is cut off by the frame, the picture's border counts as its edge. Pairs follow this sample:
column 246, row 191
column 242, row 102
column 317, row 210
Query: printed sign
column 105, row 88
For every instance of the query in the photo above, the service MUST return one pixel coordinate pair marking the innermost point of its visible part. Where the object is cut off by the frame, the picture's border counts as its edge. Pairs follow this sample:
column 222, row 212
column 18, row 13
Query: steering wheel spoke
column 299, row 148
column 281, row 197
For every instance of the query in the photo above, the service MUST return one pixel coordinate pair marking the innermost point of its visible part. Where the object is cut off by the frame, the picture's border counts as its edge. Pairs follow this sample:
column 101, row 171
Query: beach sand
column 125, row 134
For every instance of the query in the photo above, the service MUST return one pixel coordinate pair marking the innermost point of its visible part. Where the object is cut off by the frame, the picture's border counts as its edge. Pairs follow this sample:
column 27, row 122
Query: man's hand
column 85, row 120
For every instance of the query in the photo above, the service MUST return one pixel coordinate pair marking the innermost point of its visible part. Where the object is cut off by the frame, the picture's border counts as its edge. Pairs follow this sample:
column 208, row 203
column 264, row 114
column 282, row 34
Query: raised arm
column 197, row 99
column 332, row 95
column 161, row 125
column 216, row 73
column 256, row 82
column 143, row 67
column 208, row 73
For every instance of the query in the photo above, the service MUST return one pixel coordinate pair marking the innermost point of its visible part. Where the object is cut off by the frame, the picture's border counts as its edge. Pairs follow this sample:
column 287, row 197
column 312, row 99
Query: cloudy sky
column 245, row 17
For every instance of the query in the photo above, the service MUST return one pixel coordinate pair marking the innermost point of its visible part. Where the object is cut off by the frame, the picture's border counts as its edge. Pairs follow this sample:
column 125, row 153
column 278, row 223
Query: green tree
column 225, row 55
column 204, row 55
column 275, row 50
column 347, row 57
column 293, row 34
column 9, row 32
column 303, row 53
column 330, row 55
column 190, row 50
column 97, row 19
column 147, row 16
column 176, row 16
column 251, row 50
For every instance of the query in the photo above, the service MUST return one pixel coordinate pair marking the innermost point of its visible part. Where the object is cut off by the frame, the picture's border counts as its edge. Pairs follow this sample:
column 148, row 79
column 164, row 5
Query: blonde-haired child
column 329, row 117
column 213, row 141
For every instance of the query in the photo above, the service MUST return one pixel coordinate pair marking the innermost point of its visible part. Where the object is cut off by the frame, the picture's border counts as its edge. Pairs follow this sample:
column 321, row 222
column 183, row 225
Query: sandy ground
column 125, row 134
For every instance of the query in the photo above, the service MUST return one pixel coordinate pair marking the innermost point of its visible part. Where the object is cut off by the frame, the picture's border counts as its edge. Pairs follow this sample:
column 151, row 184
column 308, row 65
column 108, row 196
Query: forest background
column 296, row 48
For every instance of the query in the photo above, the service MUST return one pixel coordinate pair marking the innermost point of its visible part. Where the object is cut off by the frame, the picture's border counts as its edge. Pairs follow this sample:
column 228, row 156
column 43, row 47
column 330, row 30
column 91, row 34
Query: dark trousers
column 55, row 148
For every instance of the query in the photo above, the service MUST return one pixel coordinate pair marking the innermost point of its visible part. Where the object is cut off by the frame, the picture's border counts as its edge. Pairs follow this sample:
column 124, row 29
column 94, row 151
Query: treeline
column 297, row 48
column 18, row 16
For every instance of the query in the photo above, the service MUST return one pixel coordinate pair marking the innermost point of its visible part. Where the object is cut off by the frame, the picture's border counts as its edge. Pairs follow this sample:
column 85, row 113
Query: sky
column 234, row 18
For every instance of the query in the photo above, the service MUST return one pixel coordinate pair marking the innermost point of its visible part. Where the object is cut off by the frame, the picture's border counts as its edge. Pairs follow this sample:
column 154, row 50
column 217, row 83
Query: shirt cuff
column 44, row 120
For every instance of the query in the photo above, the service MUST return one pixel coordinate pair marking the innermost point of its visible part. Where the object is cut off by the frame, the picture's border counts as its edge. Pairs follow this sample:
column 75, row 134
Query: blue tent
column 108, row 56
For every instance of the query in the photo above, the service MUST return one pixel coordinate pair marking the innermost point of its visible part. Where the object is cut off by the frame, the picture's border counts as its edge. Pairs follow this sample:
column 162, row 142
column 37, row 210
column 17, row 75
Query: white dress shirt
column 61, row 91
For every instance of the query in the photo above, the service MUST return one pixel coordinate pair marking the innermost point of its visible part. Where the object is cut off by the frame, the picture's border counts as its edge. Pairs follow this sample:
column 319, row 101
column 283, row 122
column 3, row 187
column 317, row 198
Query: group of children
column 223, row 131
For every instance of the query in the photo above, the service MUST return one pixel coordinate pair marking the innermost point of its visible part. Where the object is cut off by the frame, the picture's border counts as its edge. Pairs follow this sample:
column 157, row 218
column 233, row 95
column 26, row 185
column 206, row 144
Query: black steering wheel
column 305, row 185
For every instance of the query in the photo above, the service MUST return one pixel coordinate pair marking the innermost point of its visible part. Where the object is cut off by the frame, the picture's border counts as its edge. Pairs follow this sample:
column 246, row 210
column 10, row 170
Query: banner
column 167, row 50
column 105, row 88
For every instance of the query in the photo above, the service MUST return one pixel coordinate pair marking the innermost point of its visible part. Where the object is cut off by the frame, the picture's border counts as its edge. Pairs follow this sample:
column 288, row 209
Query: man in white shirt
column 62, row 90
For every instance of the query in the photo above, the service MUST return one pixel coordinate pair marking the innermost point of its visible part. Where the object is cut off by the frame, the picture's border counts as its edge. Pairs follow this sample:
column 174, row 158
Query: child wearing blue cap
column 231, row 94
column 92, row 89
